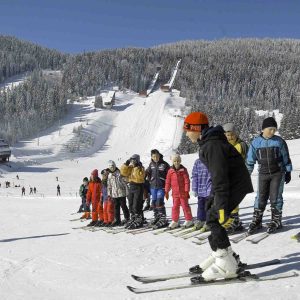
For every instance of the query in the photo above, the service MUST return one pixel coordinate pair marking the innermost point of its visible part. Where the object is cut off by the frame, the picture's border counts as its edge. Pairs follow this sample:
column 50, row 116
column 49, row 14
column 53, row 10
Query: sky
column 74, row 26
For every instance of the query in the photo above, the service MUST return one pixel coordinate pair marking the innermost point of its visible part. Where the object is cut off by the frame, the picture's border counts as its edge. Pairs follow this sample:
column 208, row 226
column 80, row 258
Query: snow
column 265, row 113
column 13, row 81
column 42, row 257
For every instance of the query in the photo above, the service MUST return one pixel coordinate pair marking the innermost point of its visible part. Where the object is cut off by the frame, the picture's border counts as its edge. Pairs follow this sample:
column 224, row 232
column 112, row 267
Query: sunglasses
column 194, row 127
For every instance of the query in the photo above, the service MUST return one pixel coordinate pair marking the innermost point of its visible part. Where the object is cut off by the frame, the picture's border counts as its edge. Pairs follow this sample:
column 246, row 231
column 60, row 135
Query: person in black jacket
column 156, row 174
column 230, row 184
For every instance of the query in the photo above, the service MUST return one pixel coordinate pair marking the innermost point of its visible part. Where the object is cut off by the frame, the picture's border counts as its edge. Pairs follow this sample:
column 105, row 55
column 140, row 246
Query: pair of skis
column 244, row 277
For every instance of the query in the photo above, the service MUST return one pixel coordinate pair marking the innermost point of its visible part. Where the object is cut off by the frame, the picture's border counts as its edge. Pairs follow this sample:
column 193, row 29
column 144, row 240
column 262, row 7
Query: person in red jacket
column 178, row 180
column 94, row 195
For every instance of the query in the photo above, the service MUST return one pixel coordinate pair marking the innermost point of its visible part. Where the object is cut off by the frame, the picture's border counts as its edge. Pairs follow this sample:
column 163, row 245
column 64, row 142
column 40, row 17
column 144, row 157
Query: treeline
column 31, row 106
column 17, row 57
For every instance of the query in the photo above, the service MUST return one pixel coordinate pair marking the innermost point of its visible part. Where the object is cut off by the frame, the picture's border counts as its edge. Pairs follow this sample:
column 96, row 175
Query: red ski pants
column 108, row 211
column 184, row 203
column 97, row 211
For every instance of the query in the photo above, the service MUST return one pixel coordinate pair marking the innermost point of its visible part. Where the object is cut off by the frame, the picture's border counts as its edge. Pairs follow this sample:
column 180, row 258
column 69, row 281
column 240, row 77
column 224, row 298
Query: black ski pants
column 135, row 198
column 120, row 202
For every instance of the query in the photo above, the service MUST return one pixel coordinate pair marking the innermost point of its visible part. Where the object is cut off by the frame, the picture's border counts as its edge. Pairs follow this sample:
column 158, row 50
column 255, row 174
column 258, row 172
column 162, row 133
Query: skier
column 82, row 193
column 156, row 173
column 230, row 184
column 108, row 204
column 201, row 188
column 178, row 180
column 234, row 223
column 58, row 190
column 93, row 196
column 134, row 171
column 116, row 190
column 272, row 154
column 34, row 190
column 30, row 191
column 23, row 191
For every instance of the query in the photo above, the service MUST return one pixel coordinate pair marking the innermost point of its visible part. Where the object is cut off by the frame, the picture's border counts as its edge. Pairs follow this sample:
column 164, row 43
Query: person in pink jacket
column 178, row 180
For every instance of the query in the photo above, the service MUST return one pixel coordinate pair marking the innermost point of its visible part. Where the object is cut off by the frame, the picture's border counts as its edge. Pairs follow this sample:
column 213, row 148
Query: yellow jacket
column 133, row 174
column 241, row 147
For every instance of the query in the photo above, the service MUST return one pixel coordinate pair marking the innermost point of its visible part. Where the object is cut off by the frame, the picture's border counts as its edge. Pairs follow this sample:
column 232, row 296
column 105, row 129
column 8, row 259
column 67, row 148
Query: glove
column 194, row 194
column 287, row 177
column 127, row 162
column 187, row 195
column 222, row 217
column 167, row 196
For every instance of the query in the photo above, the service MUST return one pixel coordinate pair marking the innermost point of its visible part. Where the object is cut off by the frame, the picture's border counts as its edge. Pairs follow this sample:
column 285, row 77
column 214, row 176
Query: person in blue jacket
column 271, row 153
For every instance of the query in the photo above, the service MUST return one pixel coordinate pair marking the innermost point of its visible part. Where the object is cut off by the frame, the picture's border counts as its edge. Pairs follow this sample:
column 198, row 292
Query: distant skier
column 230, row 184
column 156, row 173
column 31, row 191
column 272, row 154
column 178, row 181
column 58, row 190
column 23, row 191
column 34, row 190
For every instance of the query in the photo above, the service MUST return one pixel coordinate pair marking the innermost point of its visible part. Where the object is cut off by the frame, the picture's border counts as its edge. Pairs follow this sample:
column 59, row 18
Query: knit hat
column 111, row 163
column 85, row 179
column 229, row 127
column 154, row 151
column 95, row 173
column 195, row 121
column 269, row 122
column 135, row 157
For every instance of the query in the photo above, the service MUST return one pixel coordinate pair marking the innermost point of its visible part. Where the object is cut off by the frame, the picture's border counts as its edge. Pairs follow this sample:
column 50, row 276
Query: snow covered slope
column 42, row 257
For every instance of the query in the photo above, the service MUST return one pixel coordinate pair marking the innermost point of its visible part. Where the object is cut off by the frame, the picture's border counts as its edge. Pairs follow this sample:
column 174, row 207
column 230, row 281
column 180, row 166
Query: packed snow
column 42, row 257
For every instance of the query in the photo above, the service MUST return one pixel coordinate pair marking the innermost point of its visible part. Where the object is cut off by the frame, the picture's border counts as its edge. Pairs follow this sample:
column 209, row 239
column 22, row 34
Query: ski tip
column 130, row 288
column 135, row 277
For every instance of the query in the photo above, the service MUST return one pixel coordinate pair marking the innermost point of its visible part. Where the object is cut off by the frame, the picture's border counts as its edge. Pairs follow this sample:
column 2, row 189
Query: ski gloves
column 287, row 177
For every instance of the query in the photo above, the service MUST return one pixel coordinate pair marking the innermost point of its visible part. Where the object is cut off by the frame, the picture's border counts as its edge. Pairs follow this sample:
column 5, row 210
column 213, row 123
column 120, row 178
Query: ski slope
column 42, row 257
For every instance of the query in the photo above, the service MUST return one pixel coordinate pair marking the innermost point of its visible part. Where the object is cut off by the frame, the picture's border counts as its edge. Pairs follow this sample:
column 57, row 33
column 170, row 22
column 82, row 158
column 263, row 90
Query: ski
column 184, row 232
column 162, row 230
column 240, row 237
column 141, row 231
column 193, row 234
column 200, row 242
column 77, row 219
column 177, row 230
column 244, row 279
column 256, row 239
column 151, row 279
column 296, row 237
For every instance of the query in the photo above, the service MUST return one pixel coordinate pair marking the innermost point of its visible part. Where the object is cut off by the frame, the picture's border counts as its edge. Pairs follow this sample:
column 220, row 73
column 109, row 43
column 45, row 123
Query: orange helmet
column 195, row 121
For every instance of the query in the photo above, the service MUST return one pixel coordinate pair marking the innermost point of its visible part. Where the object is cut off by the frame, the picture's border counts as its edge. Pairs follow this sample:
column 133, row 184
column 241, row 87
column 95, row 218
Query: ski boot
column 199, row 224
column 137, row 223
column 173, row 225
column 275, row 222
column 116, row 223
column 99, row 223
column 162, row 222
column 256, row 223
column 224, row 266
column 93, row 223
column 234, row 225
column 188, row 224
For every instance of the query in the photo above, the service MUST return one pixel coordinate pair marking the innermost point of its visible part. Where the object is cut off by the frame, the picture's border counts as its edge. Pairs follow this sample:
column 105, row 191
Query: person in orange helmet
column 230, row 184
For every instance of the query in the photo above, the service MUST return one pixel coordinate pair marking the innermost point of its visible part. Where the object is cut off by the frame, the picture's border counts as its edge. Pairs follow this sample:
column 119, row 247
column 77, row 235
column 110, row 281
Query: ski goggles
column 194, row 127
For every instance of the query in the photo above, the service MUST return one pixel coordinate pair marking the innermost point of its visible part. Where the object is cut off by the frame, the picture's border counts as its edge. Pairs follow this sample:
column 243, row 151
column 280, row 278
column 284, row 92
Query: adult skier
column 230, row 184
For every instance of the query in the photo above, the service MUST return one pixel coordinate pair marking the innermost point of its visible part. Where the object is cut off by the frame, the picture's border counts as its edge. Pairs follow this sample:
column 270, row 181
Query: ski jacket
column 116, row 186
column 94, row 192
column 178, row 181
column 241, row 147
column 156, row 173
column 201, row 179
column 83, row 190
column 271, row 154
column 133, row 174
column 230, row 178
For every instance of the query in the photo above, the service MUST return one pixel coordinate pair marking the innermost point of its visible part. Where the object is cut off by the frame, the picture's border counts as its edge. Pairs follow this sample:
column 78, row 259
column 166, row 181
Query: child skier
column 178, row 180
column 82, row 193
column 108, row 204
column 201, row 188
column 272, row 154
column 116, row 189
column 134, row 172
column 156, row 173
column 234, row 223
column 94, row 196
column 230, row 183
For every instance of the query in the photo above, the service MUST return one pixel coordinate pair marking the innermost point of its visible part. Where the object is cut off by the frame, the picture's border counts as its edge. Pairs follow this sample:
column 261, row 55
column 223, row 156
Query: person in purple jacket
column 201, row 188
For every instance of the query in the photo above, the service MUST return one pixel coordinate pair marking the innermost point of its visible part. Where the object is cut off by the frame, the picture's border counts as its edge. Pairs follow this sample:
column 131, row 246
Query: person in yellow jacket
column 134, row 174
column 234, row 223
